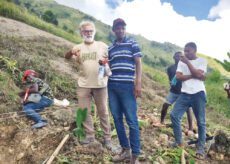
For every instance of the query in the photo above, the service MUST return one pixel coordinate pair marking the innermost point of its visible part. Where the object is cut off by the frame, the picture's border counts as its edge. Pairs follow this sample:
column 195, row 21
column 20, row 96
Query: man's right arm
column 69, row 54
column 181, row 77
column 73, row 54
column 179, row 74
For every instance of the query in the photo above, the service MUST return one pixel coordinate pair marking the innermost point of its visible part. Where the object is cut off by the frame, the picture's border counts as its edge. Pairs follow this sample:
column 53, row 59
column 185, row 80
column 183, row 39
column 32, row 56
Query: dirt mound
column 19, row 143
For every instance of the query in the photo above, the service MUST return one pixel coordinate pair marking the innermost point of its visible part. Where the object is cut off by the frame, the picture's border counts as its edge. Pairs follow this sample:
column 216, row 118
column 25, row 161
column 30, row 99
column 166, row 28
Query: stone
column 66, row 128
column 11, row 151
column 20, row 156
column 64, row 115
column 160, row 160
column 163, row 139
column 155, row 162
column 219, row 157
column 156, row 144
column 65, row 123
column 216, row 156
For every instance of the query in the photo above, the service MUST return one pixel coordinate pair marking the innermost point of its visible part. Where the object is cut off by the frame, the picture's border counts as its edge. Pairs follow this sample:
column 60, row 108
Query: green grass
column 214, row 65
column 13, row 11
column 217, row 97
column 156, row 75
column 32, row 57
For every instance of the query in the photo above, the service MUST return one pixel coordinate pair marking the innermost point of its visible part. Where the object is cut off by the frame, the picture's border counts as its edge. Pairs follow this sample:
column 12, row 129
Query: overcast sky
column 176, row 21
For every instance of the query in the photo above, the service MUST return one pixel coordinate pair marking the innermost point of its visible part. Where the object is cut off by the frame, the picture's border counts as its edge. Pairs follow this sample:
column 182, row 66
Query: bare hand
column 105, row 57
column 184, row 59
column 76, row 52
column 137, row 91
column 21, row 94
column 100, row 62
column 203, row 78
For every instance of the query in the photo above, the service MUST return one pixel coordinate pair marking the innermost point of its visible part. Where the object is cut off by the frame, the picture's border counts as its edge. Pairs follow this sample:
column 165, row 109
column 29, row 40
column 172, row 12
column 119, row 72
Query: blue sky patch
column 114, row 3
column 198, row 8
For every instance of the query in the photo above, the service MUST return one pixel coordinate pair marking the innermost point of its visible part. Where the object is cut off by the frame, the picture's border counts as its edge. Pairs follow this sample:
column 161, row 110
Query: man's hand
column 184, row 59
column 137, row 90
column 202, row 78
column 76, row 52
column 21, row 94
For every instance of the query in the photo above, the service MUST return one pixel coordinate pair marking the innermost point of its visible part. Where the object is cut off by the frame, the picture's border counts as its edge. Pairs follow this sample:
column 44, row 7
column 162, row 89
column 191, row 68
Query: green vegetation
column 174, row 155
column 226, row 64
column 214, row 64
column 80, row 118
column 156, row 75
column 62, row 160
column 18, row 55
column 49, row 17
column 217, row 97
column 13, row 11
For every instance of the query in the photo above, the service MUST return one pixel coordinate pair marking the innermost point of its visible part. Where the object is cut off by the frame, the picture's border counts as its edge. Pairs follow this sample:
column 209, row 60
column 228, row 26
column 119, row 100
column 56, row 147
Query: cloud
column 159, row 22
column 219, row 9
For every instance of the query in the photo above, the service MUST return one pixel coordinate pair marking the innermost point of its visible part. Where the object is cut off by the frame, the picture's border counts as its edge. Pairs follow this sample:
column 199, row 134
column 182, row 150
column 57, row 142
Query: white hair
column 87, row 23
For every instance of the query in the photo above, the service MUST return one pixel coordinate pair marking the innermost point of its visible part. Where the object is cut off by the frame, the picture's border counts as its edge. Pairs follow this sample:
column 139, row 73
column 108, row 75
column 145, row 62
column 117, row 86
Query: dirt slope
column 21, row 144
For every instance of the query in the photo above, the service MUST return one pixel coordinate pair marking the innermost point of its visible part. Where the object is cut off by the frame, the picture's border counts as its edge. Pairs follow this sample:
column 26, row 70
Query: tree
column 225, row 64
column 65, row 27
column 48, row 16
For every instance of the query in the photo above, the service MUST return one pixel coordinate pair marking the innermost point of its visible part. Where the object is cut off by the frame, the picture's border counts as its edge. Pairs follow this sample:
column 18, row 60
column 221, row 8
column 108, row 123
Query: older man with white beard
column 87, row 54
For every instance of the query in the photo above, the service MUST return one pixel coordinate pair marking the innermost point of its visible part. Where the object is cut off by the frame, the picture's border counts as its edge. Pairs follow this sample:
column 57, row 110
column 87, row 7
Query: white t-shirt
column 192, row 86
column 89, row 57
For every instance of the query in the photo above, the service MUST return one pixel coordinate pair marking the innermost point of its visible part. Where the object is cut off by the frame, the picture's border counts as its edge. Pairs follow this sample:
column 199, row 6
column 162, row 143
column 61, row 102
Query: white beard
column 88, row 39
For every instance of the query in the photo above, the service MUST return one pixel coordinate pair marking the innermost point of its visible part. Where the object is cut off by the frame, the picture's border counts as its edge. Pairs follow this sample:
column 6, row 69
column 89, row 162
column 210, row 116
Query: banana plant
column 81, row 115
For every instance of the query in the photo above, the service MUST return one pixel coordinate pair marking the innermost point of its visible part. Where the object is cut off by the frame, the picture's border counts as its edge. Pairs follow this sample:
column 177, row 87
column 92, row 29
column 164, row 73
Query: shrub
column 49, row 17
column 214, row 76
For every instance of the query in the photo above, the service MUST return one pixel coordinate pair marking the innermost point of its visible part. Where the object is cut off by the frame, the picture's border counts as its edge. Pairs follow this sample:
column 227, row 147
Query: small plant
column 175, row 155
column 142, row 123
column 114, row 133
column 99, row 132
column 63, row 160
column 8, row 64
column 80, row 118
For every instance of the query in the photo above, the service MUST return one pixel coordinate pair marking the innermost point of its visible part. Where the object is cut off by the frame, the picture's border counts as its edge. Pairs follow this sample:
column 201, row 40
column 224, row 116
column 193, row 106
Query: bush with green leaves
column 49, row 17
column 214, row 76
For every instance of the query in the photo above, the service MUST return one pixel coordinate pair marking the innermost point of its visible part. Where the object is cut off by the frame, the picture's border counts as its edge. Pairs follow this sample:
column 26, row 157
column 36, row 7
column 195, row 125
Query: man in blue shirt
column 123, row 89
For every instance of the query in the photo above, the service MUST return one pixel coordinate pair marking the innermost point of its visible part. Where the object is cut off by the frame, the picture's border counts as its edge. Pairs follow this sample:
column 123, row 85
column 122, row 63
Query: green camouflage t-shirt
column 41, row 84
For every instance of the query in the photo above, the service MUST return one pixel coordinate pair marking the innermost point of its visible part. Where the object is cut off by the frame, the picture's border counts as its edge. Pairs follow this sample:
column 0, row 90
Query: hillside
column 44, row 52
column 25, row 47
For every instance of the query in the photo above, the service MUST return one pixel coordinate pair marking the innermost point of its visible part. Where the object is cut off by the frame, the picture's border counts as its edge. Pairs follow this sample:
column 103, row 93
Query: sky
column 205, row 22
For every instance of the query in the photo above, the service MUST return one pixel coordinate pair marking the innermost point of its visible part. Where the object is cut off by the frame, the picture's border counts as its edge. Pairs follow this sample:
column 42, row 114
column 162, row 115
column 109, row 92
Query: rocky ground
column 19, row 143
